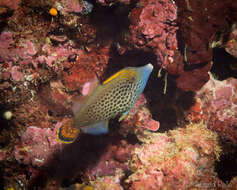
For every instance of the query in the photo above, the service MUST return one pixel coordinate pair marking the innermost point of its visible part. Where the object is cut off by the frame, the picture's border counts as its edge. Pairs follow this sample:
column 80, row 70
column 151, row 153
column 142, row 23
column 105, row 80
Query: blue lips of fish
column 114, row 96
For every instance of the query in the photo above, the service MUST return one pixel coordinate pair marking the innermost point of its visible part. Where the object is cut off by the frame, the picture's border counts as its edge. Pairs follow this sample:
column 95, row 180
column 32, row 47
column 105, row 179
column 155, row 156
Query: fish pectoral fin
column 77, row 103
column 66, row 133
column 97, row 129
column 123, row 115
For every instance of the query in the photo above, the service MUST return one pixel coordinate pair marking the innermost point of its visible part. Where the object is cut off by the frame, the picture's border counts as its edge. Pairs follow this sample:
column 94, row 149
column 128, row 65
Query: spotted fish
column 114, row 96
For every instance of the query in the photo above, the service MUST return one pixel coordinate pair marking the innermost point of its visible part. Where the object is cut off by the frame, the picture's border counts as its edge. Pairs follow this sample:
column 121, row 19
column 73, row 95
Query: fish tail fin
column 67, row 133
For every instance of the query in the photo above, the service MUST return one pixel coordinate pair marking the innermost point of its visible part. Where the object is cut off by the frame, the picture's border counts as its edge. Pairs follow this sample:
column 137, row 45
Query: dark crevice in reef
column 132, row 58
column 190, row 67
column 111, row 21
column 223, row 64
column 226, row 168
column 1, row 176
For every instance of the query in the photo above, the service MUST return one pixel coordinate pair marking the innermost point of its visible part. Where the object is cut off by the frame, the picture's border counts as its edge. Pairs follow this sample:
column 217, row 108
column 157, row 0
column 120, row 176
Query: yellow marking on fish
column 123, row 74
column 114, row 76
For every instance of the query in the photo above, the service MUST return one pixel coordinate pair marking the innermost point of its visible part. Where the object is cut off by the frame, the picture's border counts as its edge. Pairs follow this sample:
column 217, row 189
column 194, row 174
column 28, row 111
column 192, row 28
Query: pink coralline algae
column 86, row 68
column 2, row 155
column 36, row 146
column 180, row 159
column 108, row 182
column 231, row 45
column 12, row 4
column 115, row 158
column 14, row 58
column 219, row 107
column 152, row 28
column 13, row 54
column 16, row 74
column 74, row 6
column 55, row 55
column 5, row 41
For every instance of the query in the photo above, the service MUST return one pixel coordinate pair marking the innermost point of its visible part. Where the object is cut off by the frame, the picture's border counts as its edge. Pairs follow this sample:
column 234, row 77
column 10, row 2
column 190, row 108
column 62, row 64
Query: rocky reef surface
column 180, row 134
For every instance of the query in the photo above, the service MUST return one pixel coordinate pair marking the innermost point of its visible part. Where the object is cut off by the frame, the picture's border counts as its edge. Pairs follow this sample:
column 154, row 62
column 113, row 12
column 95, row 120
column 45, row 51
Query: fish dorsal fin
column 78, row 102
column 113, row 76
column 123, row 74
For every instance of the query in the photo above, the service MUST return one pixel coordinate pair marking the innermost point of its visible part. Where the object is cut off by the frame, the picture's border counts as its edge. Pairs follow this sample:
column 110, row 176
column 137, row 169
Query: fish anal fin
column 77, row 103
column 97, row 128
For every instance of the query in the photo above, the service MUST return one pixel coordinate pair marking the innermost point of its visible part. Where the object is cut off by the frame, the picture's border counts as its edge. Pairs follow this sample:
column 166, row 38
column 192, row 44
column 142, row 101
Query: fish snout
column 147, row 69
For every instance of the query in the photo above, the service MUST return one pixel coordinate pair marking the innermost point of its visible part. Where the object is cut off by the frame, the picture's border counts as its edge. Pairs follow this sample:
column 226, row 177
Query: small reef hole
column 226, row 168
column 223, row 64
column 110, row 21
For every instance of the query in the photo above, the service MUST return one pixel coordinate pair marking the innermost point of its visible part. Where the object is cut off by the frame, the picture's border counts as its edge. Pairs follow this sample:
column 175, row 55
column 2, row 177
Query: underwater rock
column 181, row 159
column 16, row 74
column 153, row 28
column 196, row 42
column 87, row 67
column 194, row 79
column 36, row 146
column 109, row 182
column 74, row 6
column 2, row 155
column 231, row 45
column 219, row 107
column 199, row 23
column 115, row 158
column 10, row 4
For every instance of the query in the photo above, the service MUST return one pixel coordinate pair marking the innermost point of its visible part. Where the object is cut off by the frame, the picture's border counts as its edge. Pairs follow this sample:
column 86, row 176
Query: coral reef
column 72, row 6
column 36, row 146
column 48, row 59
column 180, row 159
column 231, row 45
column 200, row 24
column 109, row 182
column 153, row 27
column 218, row 107
column 10, row 4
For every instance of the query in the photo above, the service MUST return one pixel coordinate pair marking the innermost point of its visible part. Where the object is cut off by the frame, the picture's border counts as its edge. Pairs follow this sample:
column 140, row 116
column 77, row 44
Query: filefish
column 114, row 96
